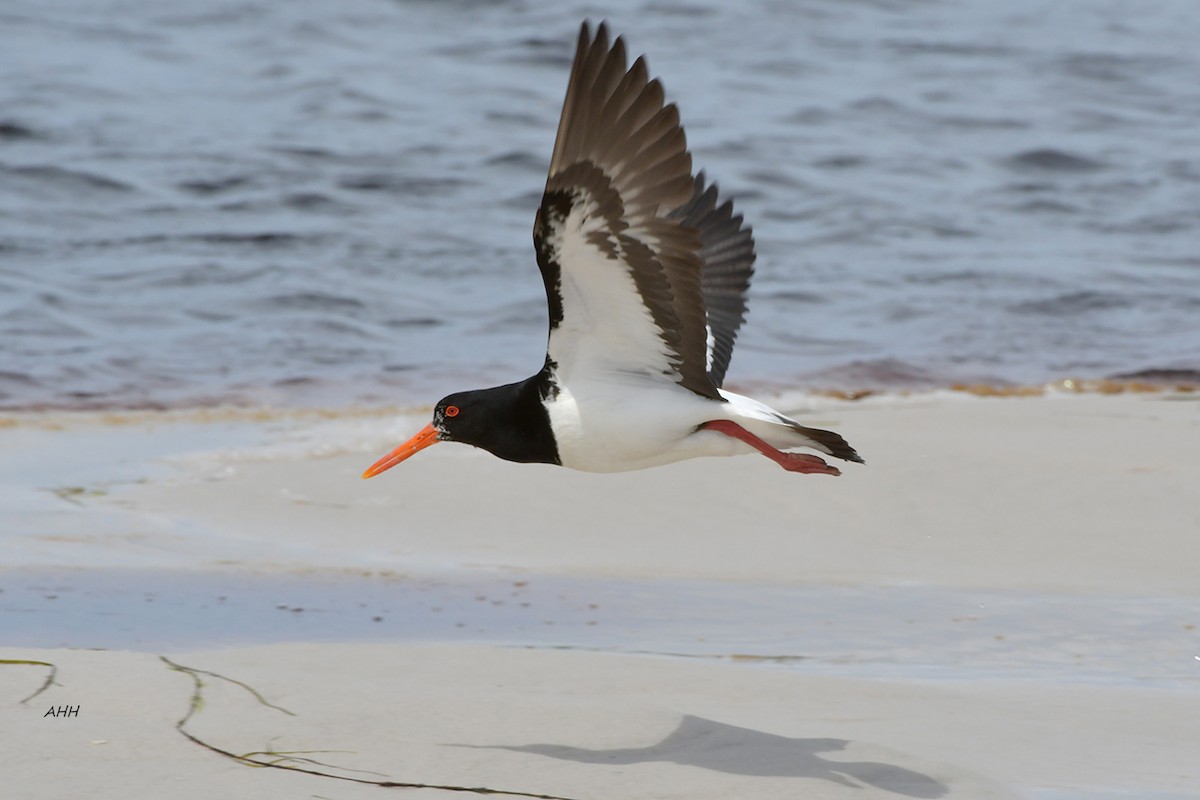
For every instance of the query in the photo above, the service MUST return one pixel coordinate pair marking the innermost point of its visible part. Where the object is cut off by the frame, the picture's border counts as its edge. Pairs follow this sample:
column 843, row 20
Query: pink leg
column 792, row 462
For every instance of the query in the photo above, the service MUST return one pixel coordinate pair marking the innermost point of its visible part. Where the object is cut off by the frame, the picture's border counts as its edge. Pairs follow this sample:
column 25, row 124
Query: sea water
column 331, row 203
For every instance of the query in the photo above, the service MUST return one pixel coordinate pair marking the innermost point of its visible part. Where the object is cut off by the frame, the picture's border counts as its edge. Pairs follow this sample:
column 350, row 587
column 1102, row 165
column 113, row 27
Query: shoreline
column 1186, row 383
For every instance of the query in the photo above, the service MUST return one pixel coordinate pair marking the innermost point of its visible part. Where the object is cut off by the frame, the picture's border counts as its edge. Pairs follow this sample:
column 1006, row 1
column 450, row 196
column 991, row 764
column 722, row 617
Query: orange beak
column 428, row 436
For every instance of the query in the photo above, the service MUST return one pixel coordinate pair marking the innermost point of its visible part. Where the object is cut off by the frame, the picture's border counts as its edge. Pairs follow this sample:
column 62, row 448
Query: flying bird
column 646, row 274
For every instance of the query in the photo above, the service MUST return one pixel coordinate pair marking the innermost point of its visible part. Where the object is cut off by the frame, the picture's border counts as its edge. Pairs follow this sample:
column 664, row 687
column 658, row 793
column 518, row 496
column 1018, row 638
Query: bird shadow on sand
column 713, row 745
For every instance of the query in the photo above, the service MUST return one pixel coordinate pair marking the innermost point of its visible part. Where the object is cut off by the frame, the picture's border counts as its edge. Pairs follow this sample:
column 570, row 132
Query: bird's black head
column 510, row 422
column 462, row 417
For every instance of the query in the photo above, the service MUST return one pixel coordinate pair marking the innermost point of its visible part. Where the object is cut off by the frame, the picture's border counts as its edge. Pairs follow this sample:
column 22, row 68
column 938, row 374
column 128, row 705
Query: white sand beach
column 1004, row 602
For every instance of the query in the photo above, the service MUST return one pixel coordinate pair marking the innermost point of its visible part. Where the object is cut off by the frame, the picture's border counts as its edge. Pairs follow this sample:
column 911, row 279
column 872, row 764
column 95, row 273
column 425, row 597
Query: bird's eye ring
column 451, row 411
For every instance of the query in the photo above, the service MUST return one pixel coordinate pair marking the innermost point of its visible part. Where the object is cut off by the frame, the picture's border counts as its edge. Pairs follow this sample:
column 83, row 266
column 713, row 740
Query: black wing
column 622, row 269
column 727, row 253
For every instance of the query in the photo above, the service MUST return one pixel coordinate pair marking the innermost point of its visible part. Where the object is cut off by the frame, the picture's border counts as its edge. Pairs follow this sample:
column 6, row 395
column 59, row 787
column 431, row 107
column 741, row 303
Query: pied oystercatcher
column 646, row 278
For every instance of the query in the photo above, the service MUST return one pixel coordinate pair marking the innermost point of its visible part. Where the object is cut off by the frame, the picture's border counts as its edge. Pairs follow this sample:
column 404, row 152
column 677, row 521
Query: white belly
column 635, row 424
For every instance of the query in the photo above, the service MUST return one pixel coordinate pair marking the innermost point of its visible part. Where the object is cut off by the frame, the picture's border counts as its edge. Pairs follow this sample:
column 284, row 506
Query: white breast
column 630, row 423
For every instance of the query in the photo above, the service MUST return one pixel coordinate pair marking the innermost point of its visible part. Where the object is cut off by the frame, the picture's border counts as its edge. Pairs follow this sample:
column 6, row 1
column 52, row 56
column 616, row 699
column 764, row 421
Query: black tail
column 832, row 442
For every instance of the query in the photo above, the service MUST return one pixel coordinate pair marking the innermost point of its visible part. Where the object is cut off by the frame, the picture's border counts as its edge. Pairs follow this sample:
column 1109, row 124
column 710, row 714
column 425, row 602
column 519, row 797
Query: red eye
column 451, row 411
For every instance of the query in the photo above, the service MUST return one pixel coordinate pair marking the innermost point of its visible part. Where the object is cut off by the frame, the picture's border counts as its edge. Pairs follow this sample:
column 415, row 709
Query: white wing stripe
column 606, row 325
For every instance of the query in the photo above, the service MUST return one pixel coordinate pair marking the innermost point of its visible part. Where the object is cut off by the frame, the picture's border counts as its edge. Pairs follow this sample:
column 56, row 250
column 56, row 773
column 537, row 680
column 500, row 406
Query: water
column 869, row 632
column 312, row 202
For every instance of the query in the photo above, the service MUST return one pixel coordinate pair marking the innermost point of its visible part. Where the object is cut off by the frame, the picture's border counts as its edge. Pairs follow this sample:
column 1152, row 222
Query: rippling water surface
column 314, row 202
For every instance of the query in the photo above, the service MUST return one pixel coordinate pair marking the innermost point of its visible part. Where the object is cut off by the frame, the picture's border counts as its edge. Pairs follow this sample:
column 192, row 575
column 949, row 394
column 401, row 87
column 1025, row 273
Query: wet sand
column 1002, row 603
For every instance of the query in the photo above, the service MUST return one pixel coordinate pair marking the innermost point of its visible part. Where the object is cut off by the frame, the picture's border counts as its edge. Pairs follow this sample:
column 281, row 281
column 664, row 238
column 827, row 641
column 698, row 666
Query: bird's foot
column 792, row 462
column 803, row 462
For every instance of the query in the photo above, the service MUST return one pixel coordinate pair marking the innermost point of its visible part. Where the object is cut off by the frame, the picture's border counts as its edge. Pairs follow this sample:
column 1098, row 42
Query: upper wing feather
column 622, row 269
column 727, row 252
